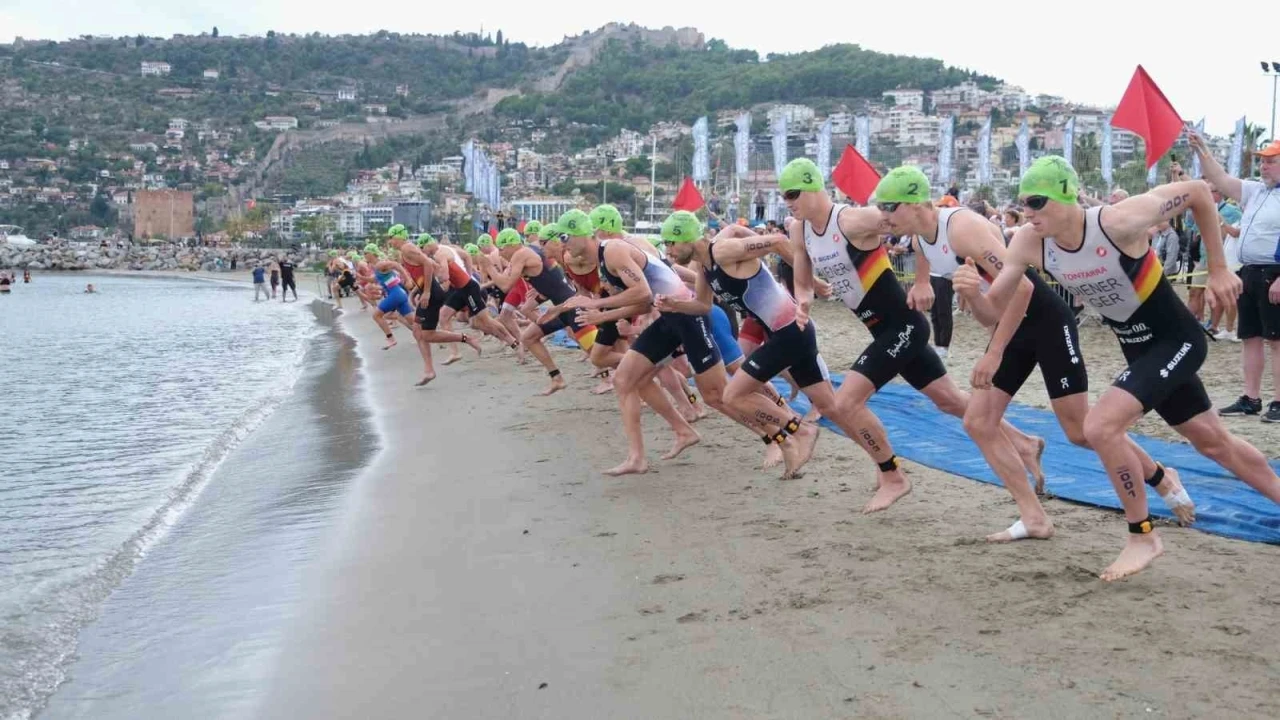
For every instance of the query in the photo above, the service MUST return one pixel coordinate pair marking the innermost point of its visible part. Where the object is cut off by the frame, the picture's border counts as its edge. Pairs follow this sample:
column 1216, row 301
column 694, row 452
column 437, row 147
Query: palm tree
column 1088, row 154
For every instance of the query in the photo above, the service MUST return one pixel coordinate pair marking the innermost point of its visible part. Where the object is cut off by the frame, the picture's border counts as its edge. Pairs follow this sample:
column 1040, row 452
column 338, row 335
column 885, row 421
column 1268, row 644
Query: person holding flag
column 1036, row 327
column 842, row 244
column 1102, row 256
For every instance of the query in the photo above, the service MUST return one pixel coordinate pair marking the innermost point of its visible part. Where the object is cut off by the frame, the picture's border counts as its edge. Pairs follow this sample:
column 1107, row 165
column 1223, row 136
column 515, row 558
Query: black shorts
column 429, row 305
column 671, row 331
column 468, row 296
column 496, row 293
column 1163, row 366
column 1050, row 339
column 607, row 333
column 1258, row 317
column 347, row 280
column 901, row 347
column 566, row 319
column 788, row 348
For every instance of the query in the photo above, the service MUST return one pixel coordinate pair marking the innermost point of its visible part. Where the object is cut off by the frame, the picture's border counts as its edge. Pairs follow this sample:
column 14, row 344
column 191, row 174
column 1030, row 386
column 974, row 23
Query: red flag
column 688, row 198
column 521, row 227
column 1145, row 111
column 493, row 231
column 854, row 175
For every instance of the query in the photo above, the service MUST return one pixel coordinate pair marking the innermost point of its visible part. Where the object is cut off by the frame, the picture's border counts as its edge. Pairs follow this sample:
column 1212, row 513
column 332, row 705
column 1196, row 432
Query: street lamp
column 1272, row 69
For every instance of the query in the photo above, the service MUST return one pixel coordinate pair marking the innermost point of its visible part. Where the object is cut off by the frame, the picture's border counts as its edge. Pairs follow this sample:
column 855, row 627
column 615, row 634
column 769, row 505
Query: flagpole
column 653, row 174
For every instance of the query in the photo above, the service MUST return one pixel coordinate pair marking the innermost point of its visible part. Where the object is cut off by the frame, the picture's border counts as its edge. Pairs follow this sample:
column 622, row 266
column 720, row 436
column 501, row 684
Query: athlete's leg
column 507, row 318
column 982, row 420
column 953, row 401
column 1211, row 438
column 633, row 384
column 755, row 412
column 531, row 338
column 851, row 405
column 676, row 384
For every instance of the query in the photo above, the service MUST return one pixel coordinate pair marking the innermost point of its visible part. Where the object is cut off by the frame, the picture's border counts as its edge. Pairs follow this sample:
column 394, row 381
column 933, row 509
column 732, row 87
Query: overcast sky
column 1086, row 52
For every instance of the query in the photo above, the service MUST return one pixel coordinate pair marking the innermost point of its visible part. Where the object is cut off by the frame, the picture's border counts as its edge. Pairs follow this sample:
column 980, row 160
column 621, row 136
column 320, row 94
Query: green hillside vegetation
column 632, row 85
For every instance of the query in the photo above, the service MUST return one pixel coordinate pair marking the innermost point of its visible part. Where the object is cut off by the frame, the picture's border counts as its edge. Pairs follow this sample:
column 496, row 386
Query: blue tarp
column 923, row 434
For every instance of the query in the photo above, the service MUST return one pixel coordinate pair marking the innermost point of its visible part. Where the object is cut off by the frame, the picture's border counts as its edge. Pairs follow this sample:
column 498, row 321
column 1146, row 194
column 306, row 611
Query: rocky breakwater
column 146, row 257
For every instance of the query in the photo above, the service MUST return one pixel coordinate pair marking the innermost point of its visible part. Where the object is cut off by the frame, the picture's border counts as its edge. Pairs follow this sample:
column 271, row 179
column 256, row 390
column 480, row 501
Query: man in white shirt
column 1259, row 304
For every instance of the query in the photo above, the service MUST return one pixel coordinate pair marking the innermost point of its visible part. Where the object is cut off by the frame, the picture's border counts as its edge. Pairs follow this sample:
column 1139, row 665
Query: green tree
column 215, row 31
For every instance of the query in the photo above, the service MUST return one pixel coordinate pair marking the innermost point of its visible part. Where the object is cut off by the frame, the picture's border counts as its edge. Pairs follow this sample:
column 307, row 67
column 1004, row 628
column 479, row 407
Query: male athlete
column 530, row 263
column 842, row 244
column 1102, row 256
column 634, row 265
column 1035, row 328
column 464, row 294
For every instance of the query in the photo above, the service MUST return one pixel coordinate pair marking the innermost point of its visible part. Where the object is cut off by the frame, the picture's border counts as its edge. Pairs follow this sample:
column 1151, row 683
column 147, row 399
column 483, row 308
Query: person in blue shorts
column 392, row 277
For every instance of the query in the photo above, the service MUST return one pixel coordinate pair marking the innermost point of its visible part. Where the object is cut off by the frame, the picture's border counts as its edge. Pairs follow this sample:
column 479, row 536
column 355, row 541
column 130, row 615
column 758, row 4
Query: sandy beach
column 486, row 569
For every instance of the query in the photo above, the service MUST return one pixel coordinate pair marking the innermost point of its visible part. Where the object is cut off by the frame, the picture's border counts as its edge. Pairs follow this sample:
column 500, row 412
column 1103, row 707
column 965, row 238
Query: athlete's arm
column 801, row 273
column 505, row 280
column 619, row 256
column 1023, row 252
column 920, row 296
column 595, row 317
column 1230, row 186
column 405, row 278
column 741, row 249
column 687, row 276
column 699, row 305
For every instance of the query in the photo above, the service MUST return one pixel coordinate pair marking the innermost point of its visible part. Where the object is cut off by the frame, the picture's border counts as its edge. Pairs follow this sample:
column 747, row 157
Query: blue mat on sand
column 920, row 433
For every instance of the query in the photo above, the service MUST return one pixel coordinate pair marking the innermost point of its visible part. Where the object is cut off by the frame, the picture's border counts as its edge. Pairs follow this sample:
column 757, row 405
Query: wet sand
column 485, row 568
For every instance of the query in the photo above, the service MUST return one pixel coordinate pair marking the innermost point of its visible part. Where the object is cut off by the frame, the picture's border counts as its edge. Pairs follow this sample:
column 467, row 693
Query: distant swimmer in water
column 5, row 282
column 26, row 276
column 88, row 290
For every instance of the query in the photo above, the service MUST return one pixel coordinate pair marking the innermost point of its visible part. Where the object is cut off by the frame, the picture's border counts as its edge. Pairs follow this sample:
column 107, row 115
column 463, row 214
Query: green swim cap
column 606, row 218
column 1053, row 177
column 575, row 223
column 509, row 237
column 471, row 248
column 425, row 239
column 333, row 253
column 681, row 226
column 484, row 241
column 800, row 174
column 354, row 255
column 398, row 231
column 905, row 184
column 550, row 231
column 371, row 248
column 532, row 228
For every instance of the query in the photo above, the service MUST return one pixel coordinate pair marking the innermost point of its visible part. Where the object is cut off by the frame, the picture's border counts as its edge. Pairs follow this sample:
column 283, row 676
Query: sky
column 1085, row 51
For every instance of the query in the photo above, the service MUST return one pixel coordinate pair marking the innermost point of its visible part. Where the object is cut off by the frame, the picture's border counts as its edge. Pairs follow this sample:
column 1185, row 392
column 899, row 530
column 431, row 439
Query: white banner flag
column 1237, row 148
column 495, row 188
column 742, row 144
column 1069, row 142
column 779, row 144
column 863, row 141
column 1023, row 143
column 1195, row 157
column 984, row 153
column 1106, row 158
column 1151, row 175
column 824, row 150
column 946, row 145
column 701, row 161
column 469, row 165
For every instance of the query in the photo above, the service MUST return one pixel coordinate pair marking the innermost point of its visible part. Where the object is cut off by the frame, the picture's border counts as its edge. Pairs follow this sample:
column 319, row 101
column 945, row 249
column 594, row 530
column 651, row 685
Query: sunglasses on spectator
column 792, row 195
column 1036, row 202
column 887, row 207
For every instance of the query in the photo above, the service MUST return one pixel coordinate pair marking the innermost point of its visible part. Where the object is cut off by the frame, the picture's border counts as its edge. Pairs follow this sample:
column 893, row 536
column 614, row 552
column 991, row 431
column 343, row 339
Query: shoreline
column 483, row 554
column 178, row 560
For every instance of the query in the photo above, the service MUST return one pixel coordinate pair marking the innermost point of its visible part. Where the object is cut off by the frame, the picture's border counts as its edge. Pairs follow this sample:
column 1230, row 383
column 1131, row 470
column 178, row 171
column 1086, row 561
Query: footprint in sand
column 664, row 579
column 691, row 617
column 651, row 610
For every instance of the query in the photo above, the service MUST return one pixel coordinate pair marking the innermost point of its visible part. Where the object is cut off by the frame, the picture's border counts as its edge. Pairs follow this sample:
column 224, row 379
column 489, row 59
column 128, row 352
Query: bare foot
column 807, row 438
column 772, row 455
column 425, row 379
column 791, row 460
column 391, row 342
column 451, row 359
column 1031, row 455
column 1038, row 530
column 682, row 443
column 893, row 486
column 630, row 466
column 606, row 385
column 474, row 343
column 1139, row 552
column 557, row 384
column 1176, row 497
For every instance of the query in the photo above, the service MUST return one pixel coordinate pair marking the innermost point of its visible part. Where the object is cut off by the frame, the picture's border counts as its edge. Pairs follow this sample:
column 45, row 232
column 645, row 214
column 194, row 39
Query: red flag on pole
column 854, row 175
column 688, row 198
column 1145, row 111
column 493, row 231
